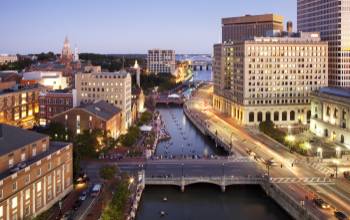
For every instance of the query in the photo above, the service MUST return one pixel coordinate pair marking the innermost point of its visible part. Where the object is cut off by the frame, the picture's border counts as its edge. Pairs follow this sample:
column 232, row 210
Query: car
column 67, row 216
column 83, row 195
column 77, row 204
column 321, row 203
column 340, row 215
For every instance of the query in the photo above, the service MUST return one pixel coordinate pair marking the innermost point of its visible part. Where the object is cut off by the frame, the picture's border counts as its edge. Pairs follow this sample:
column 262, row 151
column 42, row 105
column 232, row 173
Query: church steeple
column 67, row 55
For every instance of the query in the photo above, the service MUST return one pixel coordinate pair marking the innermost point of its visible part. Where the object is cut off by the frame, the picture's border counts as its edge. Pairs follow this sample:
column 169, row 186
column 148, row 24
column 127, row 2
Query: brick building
column 100, row 115
column 52, row 103
column 18, row 106
column 34, row 172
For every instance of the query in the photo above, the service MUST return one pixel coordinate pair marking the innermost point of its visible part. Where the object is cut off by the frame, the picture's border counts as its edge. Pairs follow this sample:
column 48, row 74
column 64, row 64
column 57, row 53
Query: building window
column 292, row 116
column 268, row 116
column 335, row 114
column 34, row 151
column 27, row 194
column 259, row 116
column 14, row 202
column 1, row 212
column 11, row 162
column 284, row 116
column 251, row 117
column 23, row 156
column 49, row 165
column 27, row 179
column 27, row 210
column 276, row 116
column 38, row 186
column 38, row 172
column 14, row 186
column 326, row 132
column 1, row 193
column 328, row 111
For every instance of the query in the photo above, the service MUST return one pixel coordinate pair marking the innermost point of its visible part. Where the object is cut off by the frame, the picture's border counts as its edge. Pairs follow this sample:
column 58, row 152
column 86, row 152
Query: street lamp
column 320, row 152
column 338, row 152
column 336, row 163
column 223, row 169
column 182, row 169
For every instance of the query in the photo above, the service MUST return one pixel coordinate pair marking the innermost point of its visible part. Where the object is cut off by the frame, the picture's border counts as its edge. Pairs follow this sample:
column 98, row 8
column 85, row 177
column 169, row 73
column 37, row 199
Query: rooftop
column 340, row 92
column 54, row 146
column 12, row 138
column 103, row 109
column 253, row 19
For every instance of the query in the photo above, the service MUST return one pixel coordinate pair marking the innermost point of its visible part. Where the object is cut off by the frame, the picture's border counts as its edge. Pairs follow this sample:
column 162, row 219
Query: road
column 243, row 139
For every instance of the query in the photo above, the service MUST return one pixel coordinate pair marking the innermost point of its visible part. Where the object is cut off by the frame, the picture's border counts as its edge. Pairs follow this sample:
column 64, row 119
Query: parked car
column 347, row 175
column 77, row 204
column 340, row 215
column 321, row 203
column 83, row 195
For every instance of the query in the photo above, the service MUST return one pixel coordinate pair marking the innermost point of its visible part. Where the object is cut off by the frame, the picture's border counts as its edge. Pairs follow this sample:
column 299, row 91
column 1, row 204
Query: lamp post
column 336, row 163
column 223, row 169
column 182, row 169
column 320, row 152
column 338, row 152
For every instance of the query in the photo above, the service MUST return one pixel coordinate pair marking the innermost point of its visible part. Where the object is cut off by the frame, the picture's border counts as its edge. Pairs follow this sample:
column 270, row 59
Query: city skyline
column 93, row 27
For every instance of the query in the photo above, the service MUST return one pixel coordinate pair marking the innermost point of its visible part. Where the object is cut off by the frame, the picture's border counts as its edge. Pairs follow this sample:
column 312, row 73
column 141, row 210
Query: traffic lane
column 201, row 170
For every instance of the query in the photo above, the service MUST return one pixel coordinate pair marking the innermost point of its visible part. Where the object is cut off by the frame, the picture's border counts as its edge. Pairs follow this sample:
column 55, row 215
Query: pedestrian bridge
column 224, row 181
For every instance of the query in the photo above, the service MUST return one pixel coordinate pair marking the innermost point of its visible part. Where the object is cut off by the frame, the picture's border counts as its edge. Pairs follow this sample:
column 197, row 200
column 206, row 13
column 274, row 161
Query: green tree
column 108, row 172
column 145, row 118
column 130, row 138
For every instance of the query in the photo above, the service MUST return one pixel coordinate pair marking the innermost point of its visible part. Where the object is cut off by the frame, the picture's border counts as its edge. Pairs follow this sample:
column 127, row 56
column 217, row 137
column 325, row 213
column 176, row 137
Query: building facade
column 245, row 27
column 5, row 58
column 270, row 78
column 100, row 115
column 18, row 106
column 112, row 87
column 161, row 61
column 52, row 103
column 332, row 19
column 330, row 115
column 34, row 172
column 53, row 80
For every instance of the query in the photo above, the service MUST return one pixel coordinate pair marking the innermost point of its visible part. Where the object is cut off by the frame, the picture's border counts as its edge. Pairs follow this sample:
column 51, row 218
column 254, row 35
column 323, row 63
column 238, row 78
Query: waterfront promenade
column 243, row 140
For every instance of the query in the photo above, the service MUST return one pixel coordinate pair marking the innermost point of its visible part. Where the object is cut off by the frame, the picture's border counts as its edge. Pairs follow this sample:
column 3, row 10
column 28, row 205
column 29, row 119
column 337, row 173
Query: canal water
column 201, row 201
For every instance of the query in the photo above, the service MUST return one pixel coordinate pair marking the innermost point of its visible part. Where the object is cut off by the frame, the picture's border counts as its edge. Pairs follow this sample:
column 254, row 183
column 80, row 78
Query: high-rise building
column 332, row 19
column 269, row 78
column 35, row 173
column 245, row 27
column 161, row 61
column 113, row 87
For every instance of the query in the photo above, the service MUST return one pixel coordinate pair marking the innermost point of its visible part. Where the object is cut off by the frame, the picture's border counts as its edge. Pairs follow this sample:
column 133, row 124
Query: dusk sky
column 124, row 26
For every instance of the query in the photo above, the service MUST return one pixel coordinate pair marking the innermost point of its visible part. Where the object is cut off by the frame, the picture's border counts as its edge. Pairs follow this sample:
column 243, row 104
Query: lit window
column 14, row 202
column 38, row 187
column 23, row 156
column 27, row 196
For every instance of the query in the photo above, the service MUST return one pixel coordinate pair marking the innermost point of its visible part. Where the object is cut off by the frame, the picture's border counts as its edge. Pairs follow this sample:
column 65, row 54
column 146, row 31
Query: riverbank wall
column 295, row 208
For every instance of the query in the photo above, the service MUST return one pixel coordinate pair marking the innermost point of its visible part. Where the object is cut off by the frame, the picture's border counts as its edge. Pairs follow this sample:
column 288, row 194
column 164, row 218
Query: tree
column 108, row 172
column 130, row 138
column 145, row 118
column 116, row 208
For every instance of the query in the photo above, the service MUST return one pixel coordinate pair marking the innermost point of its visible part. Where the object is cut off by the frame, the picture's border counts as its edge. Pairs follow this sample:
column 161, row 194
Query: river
column 201, row 201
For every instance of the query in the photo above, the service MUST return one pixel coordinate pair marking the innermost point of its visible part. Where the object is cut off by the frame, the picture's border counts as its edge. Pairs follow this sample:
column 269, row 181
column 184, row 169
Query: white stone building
column 269, row 78
column 330, row 114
